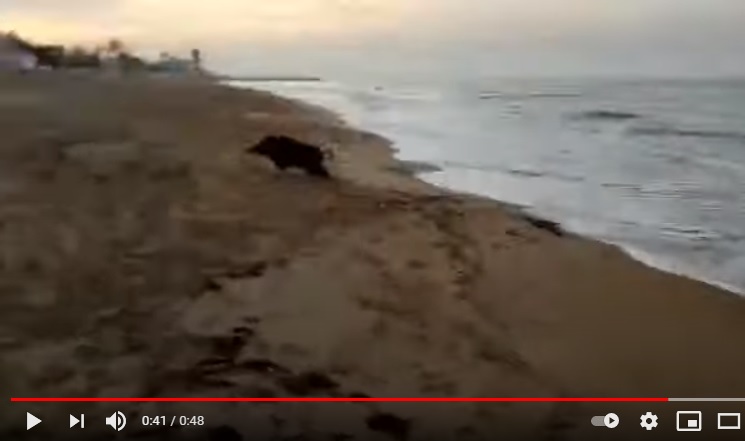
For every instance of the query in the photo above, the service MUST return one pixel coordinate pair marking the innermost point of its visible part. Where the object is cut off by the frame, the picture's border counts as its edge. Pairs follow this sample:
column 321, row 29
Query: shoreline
column 146, row 254
column 417, row 168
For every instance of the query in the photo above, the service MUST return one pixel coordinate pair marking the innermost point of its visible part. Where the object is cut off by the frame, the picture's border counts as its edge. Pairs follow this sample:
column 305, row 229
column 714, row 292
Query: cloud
column 53, row 7
column 174, row 22
column 521, row 32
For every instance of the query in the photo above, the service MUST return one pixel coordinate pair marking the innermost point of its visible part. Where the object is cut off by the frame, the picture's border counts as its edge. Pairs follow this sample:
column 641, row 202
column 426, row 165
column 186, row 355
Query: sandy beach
column 145, row 254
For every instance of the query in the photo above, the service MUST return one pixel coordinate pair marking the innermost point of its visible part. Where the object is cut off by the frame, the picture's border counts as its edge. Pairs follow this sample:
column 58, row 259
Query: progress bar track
column 397, row 399
column 348, row 400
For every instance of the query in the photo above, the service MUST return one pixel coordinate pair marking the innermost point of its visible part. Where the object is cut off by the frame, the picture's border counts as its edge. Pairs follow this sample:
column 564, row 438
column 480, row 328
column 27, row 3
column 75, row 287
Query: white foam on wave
column 679, row 268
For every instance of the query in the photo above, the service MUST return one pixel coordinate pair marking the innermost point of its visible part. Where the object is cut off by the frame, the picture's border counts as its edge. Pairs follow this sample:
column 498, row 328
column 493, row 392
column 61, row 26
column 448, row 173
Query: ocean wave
column 607, row 115
column 692, row 233
column 688, row 231
column 545, row 173
column 522, row 172
column 702, row 234
column 525, row 173
column 675, row 265
column 527, row 95
column 621, row 186
column 401, row 94
column 668, row 131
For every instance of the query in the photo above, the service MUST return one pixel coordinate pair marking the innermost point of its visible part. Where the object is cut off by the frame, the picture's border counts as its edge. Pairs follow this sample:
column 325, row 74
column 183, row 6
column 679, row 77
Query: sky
column 418, row 37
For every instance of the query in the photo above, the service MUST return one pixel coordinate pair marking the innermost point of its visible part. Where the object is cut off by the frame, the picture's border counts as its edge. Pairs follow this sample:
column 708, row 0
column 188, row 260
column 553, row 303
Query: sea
column 655, row 166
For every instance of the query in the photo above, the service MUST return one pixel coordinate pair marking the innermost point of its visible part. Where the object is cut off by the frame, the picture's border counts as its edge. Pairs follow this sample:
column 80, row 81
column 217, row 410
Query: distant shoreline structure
column 267, row 78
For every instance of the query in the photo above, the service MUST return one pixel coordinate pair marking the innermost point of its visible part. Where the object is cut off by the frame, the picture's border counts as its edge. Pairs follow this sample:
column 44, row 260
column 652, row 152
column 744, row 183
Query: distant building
column 50, row 56
column 15, row 56
column 174, row 65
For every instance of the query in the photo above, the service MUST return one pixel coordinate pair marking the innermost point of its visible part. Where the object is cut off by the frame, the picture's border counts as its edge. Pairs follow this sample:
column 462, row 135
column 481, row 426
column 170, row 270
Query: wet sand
column 145, row 254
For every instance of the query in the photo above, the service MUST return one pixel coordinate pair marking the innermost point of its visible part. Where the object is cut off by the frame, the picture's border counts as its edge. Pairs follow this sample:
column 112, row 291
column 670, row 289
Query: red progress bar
column 330, row 400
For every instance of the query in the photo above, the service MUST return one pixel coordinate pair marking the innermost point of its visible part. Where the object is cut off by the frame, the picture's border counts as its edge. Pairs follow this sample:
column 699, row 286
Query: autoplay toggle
column 610, row 421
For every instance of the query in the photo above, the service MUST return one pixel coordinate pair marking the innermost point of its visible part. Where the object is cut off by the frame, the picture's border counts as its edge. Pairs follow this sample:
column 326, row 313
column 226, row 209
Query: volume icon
column 117, row 421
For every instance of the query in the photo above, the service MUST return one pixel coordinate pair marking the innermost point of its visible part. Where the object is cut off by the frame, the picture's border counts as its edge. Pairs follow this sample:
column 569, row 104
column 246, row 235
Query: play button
column 31, row 421
column 611, row 420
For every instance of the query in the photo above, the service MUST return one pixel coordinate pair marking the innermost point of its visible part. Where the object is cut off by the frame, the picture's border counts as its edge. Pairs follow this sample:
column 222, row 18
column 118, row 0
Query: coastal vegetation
column 113, row 54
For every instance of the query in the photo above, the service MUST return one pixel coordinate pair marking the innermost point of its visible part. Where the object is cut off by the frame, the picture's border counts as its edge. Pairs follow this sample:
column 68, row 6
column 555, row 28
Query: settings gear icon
column 649, row 421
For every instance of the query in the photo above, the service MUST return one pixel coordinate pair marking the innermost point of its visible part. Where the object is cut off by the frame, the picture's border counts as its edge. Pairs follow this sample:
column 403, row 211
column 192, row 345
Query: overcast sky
column 673, row 37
